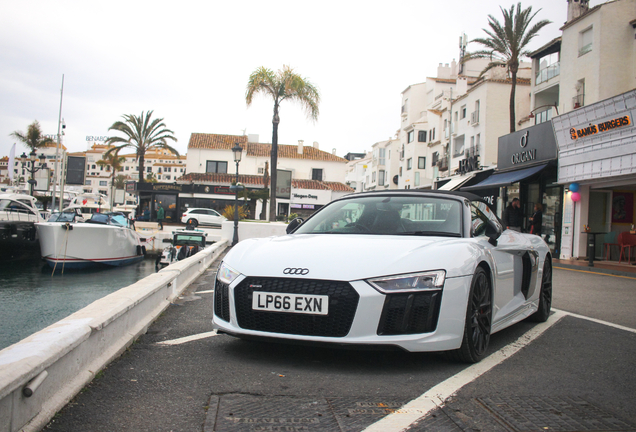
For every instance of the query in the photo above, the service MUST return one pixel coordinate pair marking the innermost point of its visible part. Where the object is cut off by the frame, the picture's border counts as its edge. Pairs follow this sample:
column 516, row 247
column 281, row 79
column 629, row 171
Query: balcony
column 442, row 164
column 405, row 110
column 547, row 73
column 474, row 118
column 471, row 151
column 578, row 101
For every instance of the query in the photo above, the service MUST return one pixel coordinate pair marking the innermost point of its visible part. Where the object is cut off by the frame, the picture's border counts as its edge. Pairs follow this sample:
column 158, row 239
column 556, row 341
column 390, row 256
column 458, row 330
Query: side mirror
column 492, row 232
column 295, row 223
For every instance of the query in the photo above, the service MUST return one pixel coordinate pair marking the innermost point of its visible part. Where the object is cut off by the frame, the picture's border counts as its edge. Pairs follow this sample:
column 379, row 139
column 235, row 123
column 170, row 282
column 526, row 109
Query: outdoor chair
column 626, row 241
column 610, row 239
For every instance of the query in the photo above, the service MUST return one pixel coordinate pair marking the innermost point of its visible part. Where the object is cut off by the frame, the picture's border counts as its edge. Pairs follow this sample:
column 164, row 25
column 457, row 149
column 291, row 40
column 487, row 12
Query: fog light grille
column 410, row 313
column 222, row 301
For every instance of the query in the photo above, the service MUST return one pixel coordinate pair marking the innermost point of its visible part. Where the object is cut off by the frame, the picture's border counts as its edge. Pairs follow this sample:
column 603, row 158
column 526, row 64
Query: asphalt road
column 577, row 375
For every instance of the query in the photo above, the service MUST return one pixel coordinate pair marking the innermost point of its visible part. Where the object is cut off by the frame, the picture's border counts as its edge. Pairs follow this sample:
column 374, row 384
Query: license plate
column 294, row 303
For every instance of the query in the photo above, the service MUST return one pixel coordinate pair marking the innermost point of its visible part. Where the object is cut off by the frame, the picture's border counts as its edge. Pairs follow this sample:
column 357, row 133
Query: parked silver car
column 202, row 216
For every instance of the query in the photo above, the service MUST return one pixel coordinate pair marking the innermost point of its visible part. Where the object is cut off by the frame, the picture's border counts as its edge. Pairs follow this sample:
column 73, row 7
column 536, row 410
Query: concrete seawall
column 42, row 373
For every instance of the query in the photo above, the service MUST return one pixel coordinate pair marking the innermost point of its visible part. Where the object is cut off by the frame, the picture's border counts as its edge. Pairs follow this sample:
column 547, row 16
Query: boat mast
column 57, row 151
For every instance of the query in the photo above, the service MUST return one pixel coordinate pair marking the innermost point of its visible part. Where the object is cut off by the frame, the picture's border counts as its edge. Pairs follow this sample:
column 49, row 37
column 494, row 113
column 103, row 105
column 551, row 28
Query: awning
column 507, row 178
column 455, row 183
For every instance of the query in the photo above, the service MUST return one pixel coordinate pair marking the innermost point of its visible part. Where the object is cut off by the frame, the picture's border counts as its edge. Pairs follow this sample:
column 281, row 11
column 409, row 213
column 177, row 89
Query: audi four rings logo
column 295, row 271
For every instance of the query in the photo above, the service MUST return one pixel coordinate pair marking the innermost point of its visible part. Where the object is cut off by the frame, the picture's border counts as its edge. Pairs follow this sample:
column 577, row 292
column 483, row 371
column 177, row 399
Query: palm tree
column 112, row 161
column 143, row 135
column 507, row 43
column 33, row 137
column 285, row 84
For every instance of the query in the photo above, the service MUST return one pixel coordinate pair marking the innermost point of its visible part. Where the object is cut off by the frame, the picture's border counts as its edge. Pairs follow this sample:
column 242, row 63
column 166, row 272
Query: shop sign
column 528, row 146
column 166, row 187
column 593, row 129
column 310, row 196
column 469, row 164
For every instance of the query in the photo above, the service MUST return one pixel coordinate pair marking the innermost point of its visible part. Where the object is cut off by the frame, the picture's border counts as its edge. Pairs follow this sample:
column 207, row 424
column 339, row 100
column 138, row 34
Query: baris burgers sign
column 527, row 147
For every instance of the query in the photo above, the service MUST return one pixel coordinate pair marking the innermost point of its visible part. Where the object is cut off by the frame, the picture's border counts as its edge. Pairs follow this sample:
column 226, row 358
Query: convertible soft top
column 467, row 195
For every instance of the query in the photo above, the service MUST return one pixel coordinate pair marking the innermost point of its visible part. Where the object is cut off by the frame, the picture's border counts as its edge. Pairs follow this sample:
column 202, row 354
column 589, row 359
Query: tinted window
column 397, row 215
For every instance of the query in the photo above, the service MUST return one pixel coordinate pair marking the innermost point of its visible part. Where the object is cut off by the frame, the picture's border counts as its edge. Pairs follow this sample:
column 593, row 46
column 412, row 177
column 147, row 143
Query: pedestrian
column 536, row 220
column 160, row 215
column 513, row 216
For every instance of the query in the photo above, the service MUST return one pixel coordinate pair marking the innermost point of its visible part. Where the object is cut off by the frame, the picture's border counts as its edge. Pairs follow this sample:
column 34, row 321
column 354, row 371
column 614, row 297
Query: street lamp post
column 32, row 169
column 238, row 152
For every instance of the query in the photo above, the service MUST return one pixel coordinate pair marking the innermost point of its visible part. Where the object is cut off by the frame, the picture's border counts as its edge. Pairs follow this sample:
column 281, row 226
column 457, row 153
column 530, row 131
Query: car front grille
column 410, row 313
column 343, row 301
column 222, row 301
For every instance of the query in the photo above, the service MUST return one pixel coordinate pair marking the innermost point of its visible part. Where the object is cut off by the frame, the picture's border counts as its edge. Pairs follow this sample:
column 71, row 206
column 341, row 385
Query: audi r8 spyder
column 419, row 270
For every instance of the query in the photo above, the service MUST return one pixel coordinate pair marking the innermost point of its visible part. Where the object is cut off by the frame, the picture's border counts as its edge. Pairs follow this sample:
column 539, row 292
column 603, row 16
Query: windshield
column 392, row 215
column 62, row 217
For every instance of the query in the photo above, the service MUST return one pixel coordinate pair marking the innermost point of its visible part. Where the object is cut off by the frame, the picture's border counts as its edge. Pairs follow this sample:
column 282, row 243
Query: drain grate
column 287, row 413
column 560, row 414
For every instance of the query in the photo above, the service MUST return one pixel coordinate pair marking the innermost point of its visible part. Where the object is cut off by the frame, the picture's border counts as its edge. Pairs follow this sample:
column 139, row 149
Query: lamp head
column 238, row 152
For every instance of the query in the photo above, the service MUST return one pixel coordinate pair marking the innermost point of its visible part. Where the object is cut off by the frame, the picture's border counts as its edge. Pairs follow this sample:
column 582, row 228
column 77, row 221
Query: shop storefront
column 597, row 166
column 527, row 169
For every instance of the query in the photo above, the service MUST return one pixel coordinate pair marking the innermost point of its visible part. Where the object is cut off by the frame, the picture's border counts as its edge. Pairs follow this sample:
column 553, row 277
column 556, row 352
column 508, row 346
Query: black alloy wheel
column 478, row 320
column 545, row 296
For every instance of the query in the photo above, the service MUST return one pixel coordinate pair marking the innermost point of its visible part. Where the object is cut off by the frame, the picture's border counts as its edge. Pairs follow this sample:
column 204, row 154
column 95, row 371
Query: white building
column 595, row 132
column 315, row 177
column 455, row 118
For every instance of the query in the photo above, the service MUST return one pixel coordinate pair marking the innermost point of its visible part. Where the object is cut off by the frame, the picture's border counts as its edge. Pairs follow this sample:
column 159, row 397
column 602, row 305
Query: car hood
column 352, row 257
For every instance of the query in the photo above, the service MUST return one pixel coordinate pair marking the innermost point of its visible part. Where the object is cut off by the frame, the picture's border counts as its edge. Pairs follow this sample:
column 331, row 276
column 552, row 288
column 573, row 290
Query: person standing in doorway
column 160, row 215
column 536, row 220
column 513, row 216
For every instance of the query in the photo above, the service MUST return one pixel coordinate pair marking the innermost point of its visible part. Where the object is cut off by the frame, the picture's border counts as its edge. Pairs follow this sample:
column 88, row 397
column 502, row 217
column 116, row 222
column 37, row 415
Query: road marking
column 436, row 396
column 204, row 292
column 598, row 321
column 597, row 273
column 188, row 338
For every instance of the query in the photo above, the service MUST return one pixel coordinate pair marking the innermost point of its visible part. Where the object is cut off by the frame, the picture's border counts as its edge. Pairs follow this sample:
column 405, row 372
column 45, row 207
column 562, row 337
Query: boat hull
column 18, row 240
column 83, row 245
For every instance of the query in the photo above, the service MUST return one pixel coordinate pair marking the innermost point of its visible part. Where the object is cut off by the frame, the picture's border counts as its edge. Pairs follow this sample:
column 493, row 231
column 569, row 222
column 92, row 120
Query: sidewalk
column 601, row 266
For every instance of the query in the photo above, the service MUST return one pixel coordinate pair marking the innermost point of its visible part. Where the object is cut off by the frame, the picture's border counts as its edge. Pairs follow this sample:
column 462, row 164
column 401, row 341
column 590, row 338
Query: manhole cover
column 287, row 413
column 561, row 414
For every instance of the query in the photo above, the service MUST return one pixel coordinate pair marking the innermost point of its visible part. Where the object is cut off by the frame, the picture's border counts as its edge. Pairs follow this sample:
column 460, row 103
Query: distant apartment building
column 450, row 123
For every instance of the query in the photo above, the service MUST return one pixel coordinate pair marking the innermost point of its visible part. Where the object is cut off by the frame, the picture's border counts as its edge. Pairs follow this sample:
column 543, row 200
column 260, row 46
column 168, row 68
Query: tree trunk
column 512, row 99
column 141, row 158
column 274, row 165
column 263, row 215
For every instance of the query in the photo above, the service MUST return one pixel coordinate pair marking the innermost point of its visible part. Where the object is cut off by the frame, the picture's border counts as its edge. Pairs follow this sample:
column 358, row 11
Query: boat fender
column 143, row 249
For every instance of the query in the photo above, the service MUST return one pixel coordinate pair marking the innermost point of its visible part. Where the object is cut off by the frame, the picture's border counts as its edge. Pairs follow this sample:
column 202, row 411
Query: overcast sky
column 189, row 61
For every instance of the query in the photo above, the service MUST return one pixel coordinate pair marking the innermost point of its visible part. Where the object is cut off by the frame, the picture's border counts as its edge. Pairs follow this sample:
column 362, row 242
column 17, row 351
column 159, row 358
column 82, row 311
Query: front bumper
column 367, row 324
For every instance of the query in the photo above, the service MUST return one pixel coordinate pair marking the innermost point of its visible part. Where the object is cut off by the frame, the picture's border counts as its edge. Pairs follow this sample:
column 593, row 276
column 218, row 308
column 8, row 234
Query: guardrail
column 42, row 373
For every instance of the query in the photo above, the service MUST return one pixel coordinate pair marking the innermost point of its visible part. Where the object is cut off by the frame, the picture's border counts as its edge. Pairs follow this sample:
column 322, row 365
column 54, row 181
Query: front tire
column 478, row 320
column 545, row 296
column 193, row 223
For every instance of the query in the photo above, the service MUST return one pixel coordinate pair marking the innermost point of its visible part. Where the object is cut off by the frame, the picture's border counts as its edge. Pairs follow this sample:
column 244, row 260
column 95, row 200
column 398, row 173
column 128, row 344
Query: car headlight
column 226, row 274
column 413, row 282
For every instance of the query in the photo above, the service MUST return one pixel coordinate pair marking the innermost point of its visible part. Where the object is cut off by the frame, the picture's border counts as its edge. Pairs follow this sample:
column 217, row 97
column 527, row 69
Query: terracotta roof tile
column 216, row 141
column 226, row 142
column 257, row 180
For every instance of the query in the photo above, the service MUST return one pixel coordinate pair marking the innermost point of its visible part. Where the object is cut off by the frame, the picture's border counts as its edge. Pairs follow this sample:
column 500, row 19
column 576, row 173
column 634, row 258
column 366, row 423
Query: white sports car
column 420, row 270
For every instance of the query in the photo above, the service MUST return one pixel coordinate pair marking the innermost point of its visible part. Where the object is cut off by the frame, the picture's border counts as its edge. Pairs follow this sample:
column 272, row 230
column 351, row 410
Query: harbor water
column 31, row 298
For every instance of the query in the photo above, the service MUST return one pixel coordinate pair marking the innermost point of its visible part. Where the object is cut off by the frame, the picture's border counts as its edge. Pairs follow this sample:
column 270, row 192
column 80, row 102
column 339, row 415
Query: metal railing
column 547, row 73
column 474, row 117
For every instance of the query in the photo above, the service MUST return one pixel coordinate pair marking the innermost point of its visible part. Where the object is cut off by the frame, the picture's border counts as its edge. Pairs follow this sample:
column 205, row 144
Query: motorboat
column 105, row 239
column 18, row 235
column 185, row 243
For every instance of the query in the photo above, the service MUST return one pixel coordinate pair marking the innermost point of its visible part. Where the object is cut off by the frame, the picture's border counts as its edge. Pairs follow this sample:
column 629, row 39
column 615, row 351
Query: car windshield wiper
column 431, row 233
